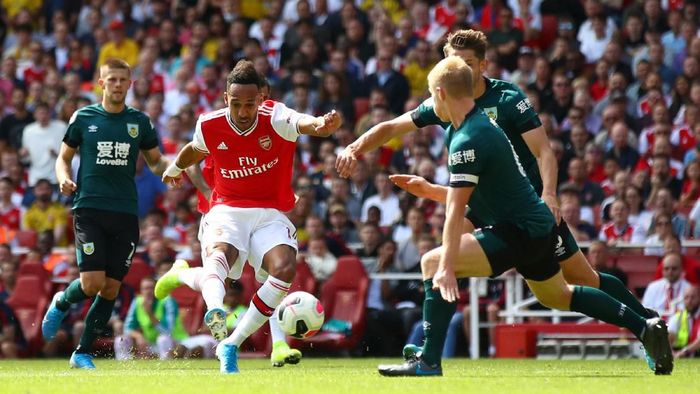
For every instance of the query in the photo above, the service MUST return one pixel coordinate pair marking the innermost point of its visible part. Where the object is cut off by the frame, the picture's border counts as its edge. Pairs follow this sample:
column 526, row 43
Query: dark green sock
column 598, row 305
column 72, row 294
column 95, row 321
column 437, row 314
column 617, row 290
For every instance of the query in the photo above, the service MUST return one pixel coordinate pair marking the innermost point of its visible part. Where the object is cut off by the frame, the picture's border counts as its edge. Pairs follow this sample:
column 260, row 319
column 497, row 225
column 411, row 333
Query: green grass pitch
column 338, row 375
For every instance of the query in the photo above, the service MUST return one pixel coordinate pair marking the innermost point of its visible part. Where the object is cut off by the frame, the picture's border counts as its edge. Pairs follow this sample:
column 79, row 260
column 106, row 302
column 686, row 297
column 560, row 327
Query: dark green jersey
column 505, row 103
column 481, row 155
column 109, row 147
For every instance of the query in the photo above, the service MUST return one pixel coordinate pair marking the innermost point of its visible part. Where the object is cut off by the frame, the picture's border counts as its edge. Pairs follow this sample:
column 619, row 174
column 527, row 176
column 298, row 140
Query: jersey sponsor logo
column 92, row 129
column 559, row 249
column 112, row 153
column 89, row 248
column 265, row 142
column 492, row 112
column 222, row 146
column 246, row 171
column 463, row 156
column 464, row 178
column 132, row 129
column 523, row 105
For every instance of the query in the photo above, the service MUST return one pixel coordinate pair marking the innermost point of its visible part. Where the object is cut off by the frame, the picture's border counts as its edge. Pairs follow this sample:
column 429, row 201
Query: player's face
column 477, row 65
column 115, row 82
column 243, row 102
column 438, row 96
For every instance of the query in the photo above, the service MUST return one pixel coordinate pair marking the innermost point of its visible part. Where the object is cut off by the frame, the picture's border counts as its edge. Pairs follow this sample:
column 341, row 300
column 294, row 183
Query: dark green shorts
column 105, row 241
column 508, row 246
column 566, row 244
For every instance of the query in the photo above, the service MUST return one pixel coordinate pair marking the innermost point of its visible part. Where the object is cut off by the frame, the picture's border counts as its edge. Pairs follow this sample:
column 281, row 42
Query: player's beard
column 114, row 99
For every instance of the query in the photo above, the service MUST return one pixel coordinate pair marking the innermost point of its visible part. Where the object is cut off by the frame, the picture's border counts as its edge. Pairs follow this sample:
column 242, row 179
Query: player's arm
column 457, row 199
column 155, row 160
column 379, row 134
column 195, row 175
column 536, row 139
column 320, row 126
column 188, row 156
column 63, row 169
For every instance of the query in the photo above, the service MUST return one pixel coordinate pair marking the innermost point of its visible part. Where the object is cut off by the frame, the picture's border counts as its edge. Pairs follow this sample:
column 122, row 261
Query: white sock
column 275, row 330
column 212, row 278
column 262, row 306
column 191, row 277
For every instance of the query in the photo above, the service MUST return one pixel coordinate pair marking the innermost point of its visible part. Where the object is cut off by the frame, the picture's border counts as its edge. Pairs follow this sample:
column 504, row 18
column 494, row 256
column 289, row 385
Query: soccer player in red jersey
column 251, row 143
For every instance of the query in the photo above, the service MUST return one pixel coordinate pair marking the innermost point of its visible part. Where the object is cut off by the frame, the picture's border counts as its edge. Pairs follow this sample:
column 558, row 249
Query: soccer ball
column 300, row 314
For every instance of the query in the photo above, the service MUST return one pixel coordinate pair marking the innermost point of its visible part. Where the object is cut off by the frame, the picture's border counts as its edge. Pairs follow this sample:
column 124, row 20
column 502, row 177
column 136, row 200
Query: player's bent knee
column 429, row 263
column 284, row 269
column 92, row 286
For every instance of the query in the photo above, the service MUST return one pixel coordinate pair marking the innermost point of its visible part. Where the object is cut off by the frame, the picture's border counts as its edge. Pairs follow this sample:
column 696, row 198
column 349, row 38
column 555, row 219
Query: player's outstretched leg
column 281, row 352
column 171, row 279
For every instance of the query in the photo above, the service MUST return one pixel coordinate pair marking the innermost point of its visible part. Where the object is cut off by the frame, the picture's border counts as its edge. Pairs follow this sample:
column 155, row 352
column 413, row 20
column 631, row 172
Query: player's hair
column 115, row 64
column 454, row 76
column 243, row 74
column 466, row 39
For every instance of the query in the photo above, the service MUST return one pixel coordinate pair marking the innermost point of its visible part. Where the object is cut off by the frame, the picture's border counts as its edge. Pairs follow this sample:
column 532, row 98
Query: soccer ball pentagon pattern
column 300, row 314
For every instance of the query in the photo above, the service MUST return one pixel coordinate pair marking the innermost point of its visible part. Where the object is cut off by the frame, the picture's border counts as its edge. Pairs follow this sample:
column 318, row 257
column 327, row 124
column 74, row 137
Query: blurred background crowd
column 615, row 82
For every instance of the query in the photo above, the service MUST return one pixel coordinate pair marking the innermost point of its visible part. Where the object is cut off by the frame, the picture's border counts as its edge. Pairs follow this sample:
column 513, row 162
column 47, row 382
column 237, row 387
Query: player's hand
column 67, row 187
column 446, row 282
column 553, row 206
column 413, row 184
column 346, row 162
column 173, row 175
column 330, row 123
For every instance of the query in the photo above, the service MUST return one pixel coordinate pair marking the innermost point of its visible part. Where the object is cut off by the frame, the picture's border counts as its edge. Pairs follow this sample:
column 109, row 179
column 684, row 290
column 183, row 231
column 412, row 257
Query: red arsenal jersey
column 253, row 167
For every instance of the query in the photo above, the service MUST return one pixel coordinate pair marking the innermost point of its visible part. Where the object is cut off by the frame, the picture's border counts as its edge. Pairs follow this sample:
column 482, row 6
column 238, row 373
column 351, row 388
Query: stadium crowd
column 616, row 84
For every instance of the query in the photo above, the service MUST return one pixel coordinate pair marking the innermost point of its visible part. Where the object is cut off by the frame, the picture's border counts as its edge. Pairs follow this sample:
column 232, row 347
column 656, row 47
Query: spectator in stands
column 119, row 45
column 41, row 142
column 341, row 226
column 665, row 295
column 506, row 39
column 150, row 187
column 691, row 267
column 9, row 210
column 12, row 341
column 625, row 155
column 683, row 326
column 664, row 203
column 334, row 94
column 8, row 277
column 416, row 71
column 590, row 194
column 619, row 229
column 571, row 213
column 321, row 262
column 562, row 98
column 340, row 193
column 407, row 252
column 153, row 327
column 46, row 214
column 393, row 83
column 234, row 304
column 12, row 126
column 639, row 216
column 599, row 257
column 385, row 199
column 691, row 185
column 660, row 230
column 315, row 229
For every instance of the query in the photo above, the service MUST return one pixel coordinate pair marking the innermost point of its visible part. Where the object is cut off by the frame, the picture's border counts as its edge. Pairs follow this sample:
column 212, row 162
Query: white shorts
column 253, row 231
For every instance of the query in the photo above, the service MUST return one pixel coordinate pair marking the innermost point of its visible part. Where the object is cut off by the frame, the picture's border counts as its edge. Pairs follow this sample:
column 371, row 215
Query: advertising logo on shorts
column 89, row 248
column 265, row 142
column 132, row 129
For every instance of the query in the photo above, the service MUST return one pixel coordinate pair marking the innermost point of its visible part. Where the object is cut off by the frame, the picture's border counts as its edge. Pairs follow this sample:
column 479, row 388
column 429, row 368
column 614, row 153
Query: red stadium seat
column 640, row 270
column 303, row 280
column 26, row 239
column 361, row 107
column 29, row 301
column 138, row 270
column 550, row 25
column 191, row 307
column 344, row 297
column 36, row 269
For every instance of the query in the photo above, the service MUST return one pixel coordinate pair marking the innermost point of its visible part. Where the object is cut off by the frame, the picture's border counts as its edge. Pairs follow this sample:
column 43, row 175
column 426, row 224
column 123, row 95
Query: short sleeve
column 73, row 137
column 521, row 116
column 425, row 115
column 285, row 121
column 198, row 139
column 150, row 137
column 465, row 161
